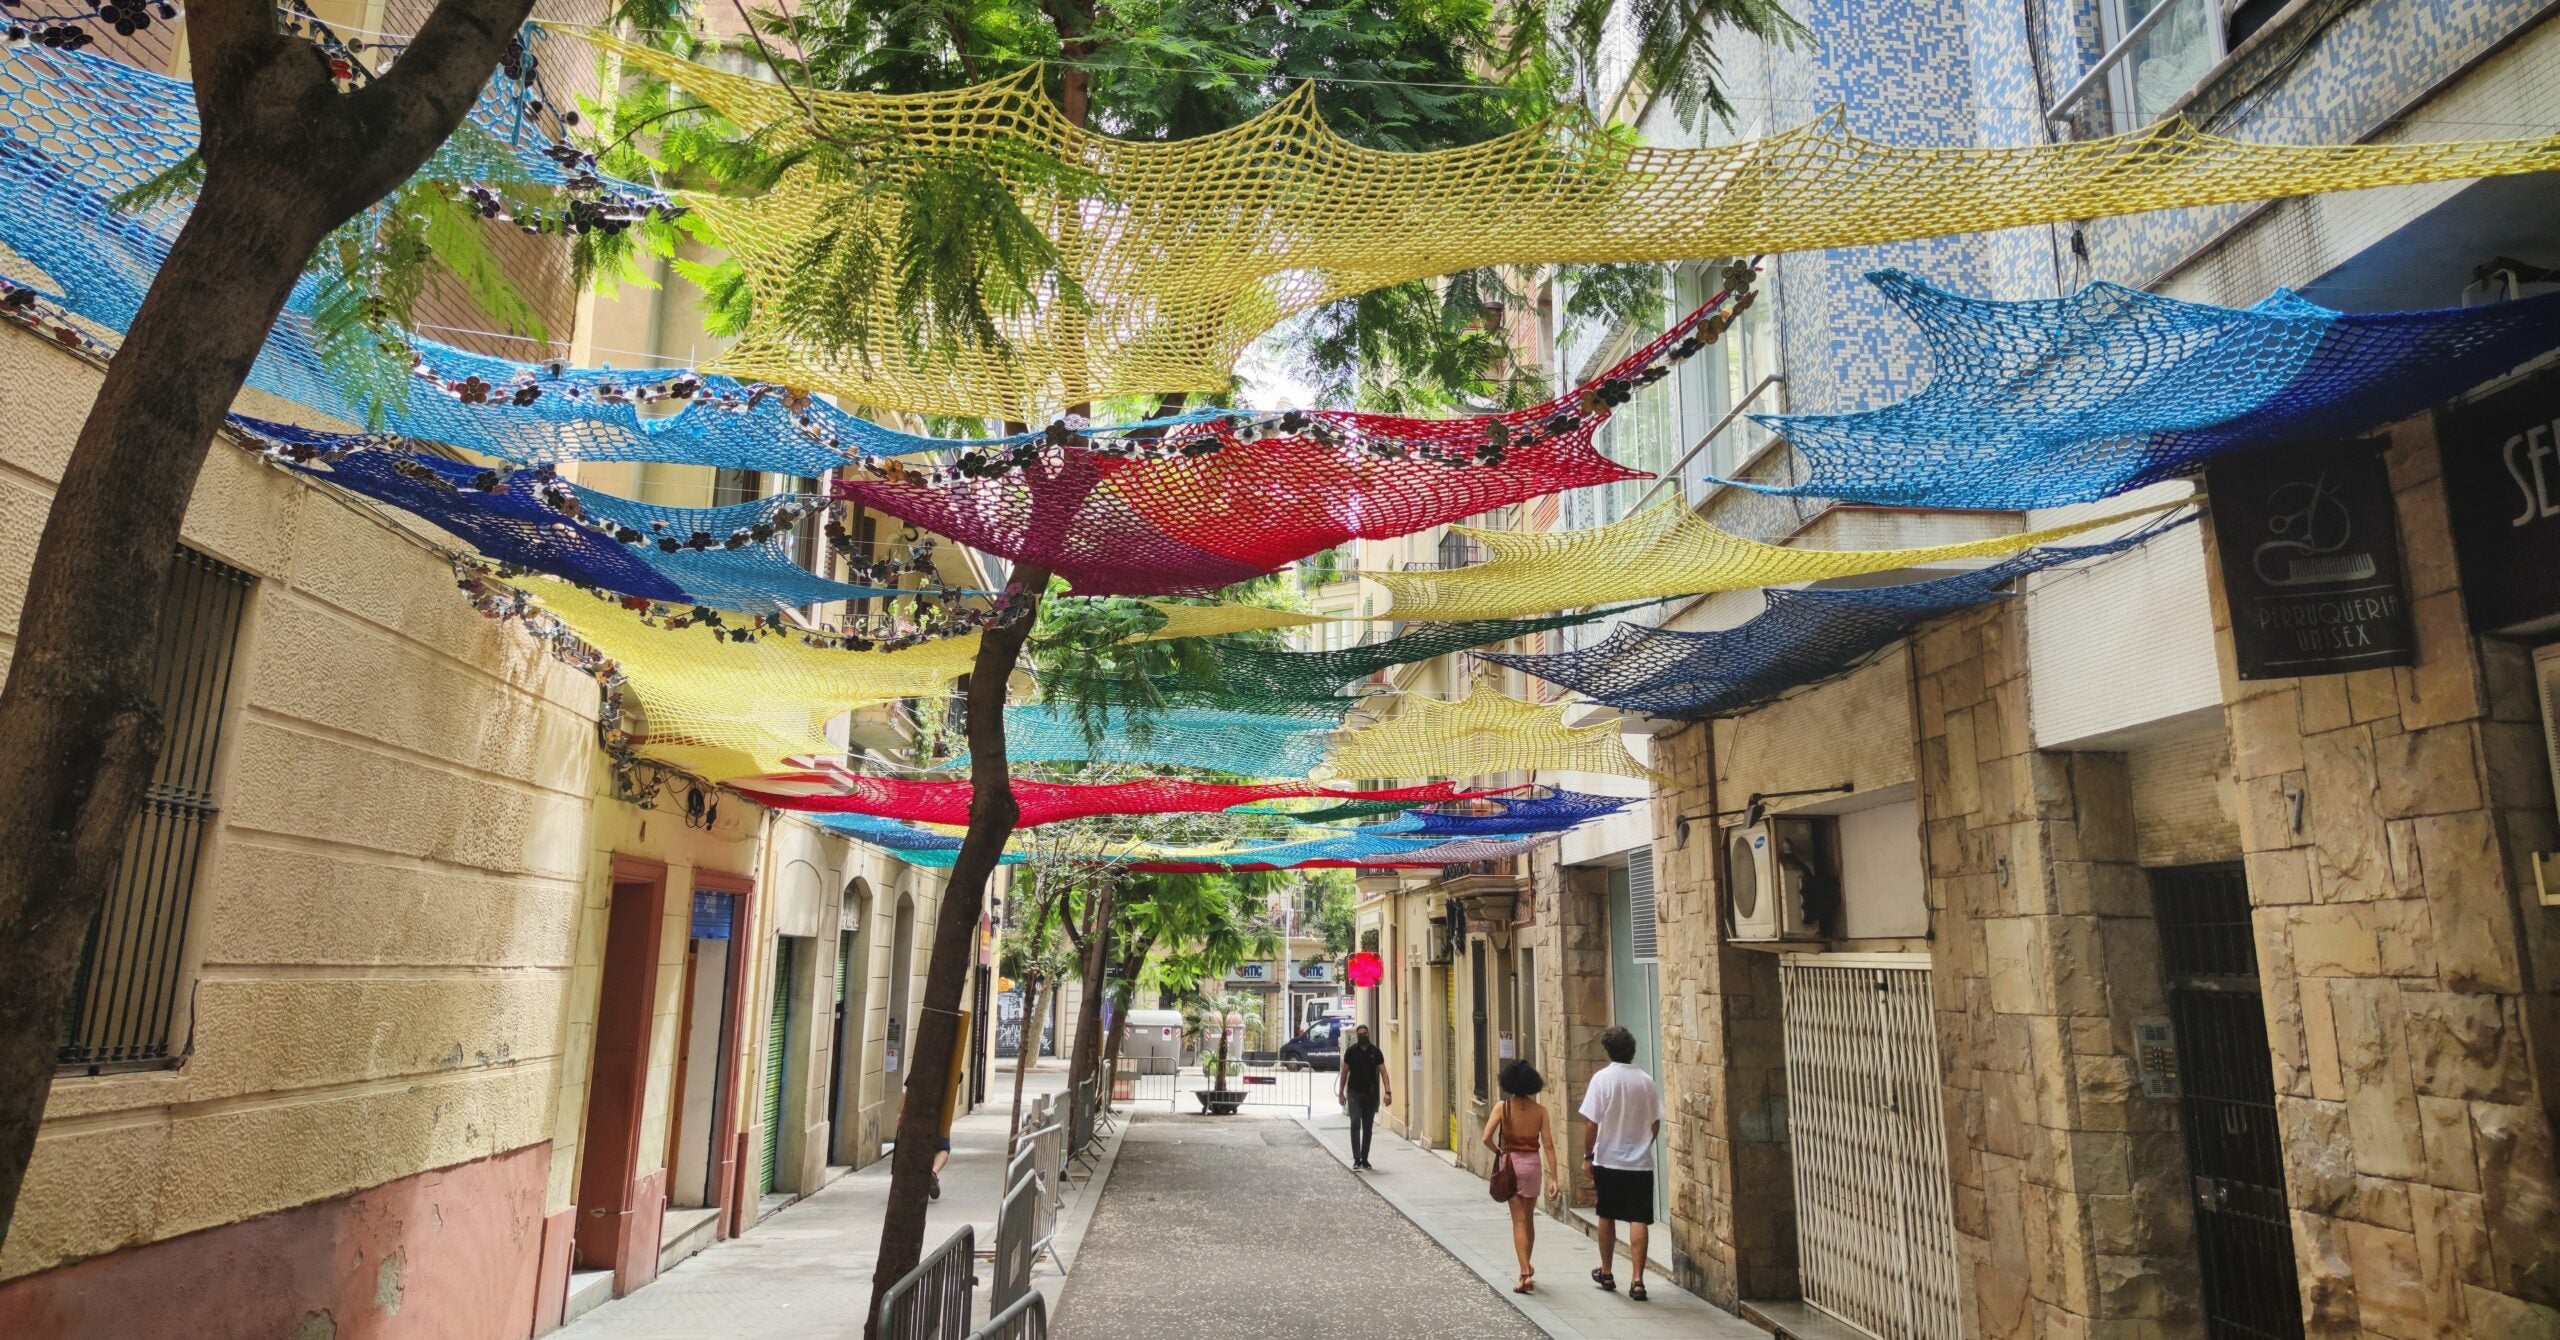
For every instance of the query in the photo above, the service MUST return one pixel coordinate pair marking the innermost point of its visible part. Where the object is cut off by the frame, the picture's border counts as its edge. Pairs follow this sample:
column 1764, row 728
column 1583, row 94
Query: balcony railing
column 2158, row 62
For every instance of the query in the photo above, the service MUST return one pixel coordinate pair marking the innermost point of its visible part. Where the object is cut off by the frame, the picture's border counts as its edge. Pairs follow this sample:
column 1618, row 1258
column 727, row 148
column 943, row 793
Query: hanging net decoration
column 722, row 709
column 78, row 131
column 1214, row 504
column 1246, row 675
column 1484, row 733
column 1503, row 816
column 1663, row 550
column 1350, row 809
column 514, row 517
column 1044, row 802
column 886, row 833
column 1803, row 637
column 1240, row 744
column 1187, row 250
column 2065, row 400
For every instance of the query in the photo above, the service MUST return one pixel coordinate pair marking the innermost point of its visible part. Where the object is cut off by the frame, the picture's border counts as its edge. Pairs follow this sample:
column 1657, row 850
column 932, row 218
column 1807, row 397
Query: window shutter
column 1641, row 932
column 777, row 1060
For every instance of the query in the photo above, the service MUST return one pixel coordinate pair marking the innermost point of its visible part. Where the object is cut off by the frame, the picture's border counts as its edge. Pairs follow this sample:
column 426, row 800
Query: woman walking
column 1518, row 1133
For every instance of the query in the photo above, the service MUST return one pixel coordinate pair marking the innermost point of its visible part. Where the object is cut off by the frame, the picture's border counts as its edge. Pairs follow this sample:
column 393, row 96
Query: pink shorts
column 1524, row 1172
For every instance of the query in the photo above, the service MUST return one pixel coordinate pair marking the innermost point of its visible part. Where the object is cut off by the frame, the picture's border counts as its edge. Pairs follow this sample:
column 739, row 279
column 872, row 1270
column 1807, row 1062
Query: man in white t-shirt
column 1621, row 1115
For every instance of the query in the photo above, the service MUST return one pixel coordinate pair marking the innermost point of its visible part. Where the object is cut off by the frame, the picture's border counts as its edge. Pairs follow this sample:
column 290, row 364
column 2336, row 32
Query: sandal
column 1605, row 1280
column 1527, row 1284
column 1635, row 1292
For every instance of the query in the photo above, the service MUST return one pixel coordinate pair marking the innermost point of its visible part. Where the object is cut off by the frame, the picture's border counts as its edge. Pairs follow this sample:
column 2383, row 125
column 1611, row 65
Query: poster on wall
column 2310, row 553
column 2502, row 489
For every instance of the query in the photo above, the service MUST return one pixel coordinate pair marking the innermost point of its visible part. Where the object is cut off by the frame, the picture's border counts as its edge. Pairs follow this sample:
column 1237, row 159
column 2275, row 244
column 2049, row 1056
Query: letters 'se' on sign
column 2502, row 488
column 2310, row 555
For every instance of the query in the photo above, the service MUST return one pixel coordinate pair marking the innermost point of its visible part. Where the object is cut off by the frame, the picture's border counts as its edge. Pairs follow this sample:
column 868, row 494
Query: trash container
column 1153, row 1039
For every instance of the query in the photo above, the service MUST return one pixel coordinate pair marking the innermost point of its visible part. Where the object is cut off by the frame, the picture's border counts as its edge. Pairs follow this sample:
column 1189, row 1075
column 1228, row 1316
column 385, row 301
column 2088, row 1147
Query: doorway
column 1635, row 991
column 893, row 1054
column 617, row 1219
column 706, row 1061
column 853, row 978
column 781, row 1033
column 2227, row 1102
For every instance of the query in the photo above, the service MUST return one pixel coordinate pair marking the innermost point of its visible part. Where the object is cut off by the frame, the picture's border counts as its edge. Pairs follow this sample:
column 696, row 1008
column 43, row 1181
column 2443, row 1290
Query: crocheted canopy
column 1503, row 816
column 1187, row 250
column 1252, row 675
column 1340, row 854
column 886, row 833
column 1213, row 504
column 79, row 130
column 1663, row 550
column 1484, row 733
column 1350, row 809
column 1803, row 637
column 1043, row 802
column 1241, row 744
column 513, row 523
column 2063, row 400
column 729, row 709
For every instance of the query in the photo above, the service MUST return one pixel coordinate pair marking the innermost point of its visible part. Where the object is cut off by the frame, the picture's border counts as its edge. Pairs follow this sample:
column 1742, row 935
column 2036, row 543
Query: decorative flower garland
column 66, row 32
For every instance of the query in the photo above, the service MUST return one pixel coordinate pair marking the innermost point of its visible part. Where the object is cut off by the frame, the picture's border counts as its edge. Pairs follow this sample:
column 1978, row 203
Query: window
column 729, row 487
column 2160, row 66
column 124, row 996
column 1477, row 999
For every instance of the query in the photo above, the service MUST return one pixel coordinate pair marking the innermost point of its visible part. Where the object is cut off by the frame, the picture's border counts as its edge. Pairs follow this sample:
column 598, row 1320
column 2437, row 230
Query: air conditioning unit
column 1438, row 944
column 1766, row 867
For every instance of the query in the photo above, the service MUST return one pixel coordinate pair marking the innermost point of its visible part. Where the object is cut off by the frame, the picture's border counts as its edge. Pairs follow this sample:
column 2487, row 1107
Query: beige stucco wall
column 382, row 936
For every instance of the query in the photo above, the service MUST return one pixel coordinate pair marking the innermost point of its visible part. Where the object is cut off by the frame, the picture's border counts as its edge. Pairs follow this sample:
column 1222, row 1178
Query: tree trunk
column 1097, row 959
column 1127, row 988
column 992, row 812
column 287, row 159
column 1022, row 1062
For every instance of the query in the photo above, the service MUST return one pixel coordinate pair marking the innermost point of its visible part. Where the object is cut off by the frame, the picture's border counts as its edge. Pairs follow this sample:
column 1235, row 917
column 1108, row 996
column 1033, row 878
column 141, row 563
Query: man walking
column 1621, row 1115
column 1359, row 1088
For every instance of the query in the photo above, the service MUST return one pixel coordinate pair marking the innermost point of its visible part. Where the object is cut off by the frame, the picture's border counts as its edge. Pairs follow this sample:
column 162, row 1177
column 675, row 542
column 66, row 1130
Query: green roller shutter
column 778, row 1059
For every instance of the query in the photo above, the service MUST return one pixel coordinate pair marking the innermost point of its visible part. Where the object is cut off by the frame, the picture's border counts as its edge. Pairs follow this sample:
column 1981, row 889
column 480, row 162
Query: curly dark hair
column 1522, row 1080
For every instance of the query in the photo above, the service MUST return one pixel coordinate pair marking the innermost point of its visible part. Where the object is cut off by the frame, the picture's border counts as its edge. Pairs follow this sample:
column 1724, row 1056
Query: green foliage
column 1613, row 295
column 1089, row 656
column 1565, row 49
column 1331, row 891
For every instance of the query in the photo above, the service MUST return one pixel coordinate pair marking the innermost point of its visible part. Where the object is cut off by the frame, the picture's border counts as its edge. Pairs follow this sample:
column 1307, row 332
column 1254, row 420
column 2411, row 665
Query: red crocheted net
column 1050, row 802
column 1115, row 525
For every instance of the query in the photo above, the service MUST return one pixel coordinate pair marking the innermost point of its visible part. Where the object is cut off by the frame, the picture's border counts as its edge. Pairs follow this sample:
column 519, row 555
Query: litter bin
column 1153, row 1039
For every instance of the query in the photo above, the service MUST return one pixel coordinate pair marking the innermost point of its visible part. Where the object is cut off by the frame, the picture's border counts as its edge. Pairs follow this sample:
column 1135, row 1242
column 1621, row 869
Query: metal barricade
column 1027, row 1319
column 932, row 1301
column 1272, row 1086
column 1044, row 1146
column 1017, row 1240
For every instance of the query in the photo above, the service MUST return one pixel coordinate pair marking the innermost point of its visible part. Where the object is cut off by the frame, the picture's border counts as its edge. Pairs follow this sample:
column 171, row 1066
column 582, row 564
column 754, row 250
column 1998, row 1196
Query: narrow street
column 1251, row 1221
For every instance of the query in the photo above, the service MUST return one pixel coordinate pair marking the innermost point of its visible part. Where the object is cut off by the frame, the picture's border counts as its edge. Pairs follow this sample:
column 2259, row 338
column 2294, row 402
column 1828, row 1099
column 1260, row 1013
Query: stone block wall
column 2070, row 1189
column 1571, row 939
column 2389, row 818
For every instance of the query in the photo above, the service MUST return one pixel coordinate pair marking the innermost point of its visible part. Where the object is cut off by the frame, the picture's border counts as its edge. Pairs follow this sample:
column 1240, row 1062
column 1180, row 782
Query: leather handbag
column 1505, row 1183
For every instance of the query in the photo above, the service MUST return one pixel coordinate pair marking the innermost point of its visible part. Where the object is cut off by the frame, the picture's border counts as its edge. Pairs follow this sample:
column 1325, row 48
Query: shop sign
column 2310, row 560
column 1249, row 972
column 2502, row 489
column 1314, row 970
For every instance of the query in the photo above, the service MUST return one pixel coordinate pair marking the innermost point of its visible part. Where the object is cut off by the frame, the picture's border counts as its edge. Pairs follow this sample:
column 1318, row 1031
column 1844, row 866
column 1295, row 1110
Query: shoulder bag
column 1505, row 1183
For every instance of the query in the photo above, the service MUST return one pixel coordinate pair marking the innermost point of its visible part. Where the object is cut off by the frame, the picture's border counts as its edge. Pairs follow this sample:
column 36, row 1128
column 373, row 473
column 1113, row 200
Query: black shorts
column 1626, row 1197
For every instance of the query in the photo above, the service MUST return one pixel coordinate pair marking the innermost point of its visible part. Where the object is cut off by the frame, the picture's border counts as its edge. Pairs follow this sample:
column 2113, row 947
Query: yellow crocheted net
column 1663, row 550
column 1484, row 733
column 1187, row 250
column 723, row 710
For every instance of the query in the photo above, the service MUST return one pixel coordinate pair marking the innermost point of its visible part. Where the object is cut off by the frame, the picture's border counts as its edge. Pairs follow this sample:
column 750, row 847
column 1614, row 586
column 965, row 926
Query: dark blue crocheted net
column 1503, row 816
column 514, row 525
column 893, row 834
column 2065, row 400
column 77, row 131
column 1804, row 636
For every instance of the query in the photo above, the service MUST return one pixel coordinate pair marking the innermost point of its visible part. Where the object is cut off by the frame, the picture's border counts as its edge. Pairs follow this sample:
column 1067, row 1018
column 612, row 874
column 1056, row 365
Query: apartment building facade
column 415, row 1011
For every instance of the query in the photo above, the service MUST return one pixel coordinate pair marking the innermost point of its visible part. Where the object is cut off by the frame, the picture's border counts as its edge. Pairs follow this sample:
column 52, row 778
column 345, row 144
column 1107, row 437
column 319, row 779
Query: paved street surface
column 805, row 1271
column 1450, row 1205
column 1248, row 1221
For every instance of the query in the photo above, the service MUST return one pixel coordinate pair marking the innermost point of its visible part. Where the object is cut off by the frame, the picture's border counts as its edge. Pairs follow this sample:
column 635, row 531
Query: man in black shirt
column 1362, row 1086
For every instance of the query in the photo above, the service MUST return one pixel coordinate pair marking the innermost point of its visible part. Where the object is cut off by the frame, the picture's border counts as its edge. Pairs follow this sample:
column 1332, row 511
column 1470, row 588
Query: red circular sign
column 1365, row 970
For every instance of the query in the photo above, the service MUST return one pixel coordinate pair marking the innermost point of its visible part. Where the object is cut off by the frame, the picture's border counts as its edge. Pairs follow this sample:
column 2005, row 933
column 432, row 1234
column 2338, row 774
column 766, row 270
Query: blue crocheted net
column 514, row 525
column 2073, row 399
column 1242, row 744
column 1503, row 816
column 894, row 834
column 1804, row 636
column 77, row 131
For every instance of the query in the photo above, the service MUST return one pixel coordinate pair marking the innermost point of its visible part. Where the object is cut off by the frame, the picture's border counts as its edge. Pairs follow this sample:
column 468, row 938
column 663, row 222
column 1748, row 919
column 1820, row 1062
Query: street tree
column 288, row 155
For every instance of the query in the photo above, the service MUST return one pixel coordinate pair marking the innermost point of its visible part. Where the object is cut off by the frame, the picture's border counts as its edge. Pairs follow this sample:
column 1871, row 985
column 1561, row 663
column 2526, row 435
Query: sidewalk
column 805, row 1270
column 1450, row 1205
